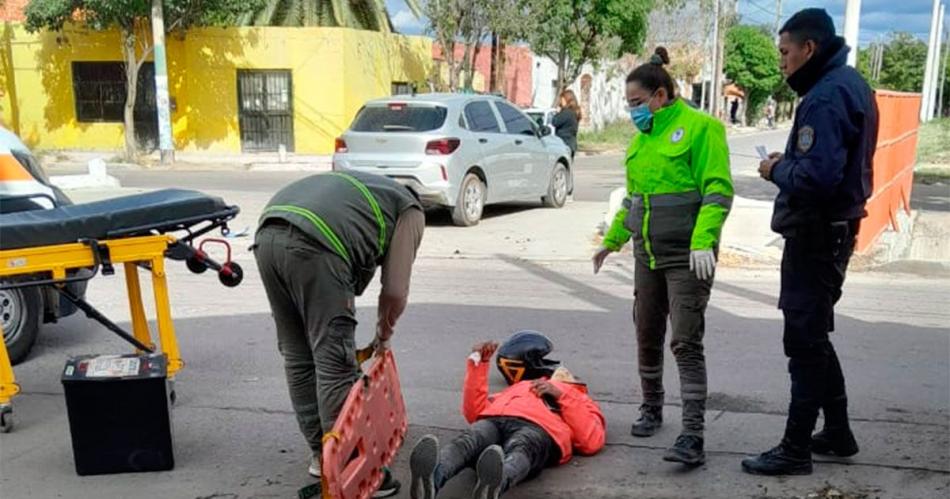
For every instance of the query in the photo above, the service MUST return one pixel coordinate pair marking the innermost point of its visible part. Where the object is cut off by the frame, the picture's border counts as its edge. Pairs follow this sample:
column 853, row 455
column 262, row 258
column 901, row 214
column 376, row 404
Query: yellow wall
column 334, row 71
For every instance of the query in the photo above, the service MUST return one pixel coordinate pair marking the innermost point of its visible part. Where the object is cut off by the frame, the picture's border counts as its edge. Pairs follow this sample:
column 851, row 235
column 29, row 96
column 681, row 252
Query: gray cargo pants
column 675, row 293
column 311, row 297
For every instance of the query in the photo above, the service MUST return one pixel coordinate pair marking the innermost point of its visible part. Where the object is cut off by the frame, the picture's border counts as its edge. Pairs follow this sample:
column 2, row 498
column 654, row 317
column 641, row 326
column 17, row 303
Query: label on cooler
column 112, row 367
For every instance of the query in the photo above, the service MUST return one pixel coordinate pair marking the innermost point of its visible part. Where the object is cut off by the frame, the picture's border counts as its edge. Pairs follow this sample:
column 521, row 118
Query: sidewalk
column 74, row 162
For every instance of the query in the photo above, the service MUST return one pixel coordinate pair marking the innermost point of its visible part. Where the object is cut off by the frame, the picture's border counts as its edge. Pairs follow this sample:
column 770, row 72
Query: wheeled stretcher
column 63, row 245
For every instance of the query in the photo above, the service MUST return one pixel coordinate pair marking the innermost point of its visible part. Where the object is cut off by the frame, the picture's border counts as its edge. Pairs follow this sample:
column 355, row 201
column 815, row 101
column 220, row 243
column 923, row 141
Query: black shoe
column 491, row 472
column 422, row 463
column 390, row 486
column 688, row 450
column 650, row 421
column 782, row 460
column 834, row 443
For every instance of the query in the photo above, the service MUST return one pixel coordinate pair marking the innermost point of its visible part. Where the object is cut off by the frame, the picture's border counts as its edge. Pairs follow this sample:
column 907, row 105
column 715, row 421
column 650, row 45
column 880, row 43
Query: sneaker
column 314, row 468
column 688, row 450
column 782, row 460
column 834, row 443
column 650, row 421
column 390, row 486
column 491, row 472
column 422, row 463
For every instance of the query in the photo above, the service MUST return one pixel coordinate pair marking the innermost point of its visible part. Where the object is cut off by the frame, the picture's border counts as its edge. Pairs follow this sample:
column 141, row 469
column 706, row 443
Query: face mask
column 642, row 117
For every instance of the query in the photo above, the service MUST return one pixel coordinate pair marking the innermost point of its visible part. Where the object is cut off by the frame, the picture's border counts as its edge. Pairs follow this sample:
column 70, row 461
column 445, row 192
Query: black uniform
column 824, row 181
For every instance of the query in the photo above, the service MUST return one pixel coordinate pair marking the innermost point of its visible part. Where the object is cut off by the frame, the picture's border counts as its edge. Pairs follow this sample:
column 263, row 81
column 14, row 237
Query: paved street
column 522, row 267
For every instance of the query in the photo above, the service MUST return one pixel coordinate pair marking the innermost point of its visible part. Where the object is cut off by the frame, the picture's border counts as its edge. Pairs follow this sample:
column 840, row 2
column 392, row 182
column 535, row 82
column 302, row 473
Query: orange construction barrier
column 894, row 162
column 370, row 429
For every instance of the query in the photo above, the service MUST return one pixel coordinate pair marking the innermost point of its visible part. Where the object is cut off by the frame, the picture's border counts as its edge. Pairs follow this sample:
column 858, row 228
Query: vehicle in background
column 24, row 185
column 543, row 116
column 458, row 151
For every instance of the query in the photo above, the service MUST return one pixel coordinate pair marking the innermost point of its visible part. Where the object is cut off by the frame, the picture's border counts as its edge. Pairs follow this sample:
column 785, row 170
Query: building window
column 401, row 88
column 99, row 88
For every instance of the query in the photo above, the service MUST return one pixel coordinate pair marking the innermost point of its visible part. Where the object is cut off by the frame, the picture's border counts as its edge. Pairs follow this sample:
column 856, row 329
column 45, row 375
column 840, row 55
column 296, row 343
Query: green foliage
column 903, row 66
column 614, row 135
column 752, row 62
column 123, row 14
column 575, row 32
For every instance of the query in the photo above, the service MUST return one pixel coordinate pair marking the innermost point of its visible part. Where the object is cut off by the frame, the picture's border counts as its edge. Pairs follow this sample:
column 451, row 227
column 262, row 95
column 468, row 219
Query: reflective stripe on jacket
column 679, row 187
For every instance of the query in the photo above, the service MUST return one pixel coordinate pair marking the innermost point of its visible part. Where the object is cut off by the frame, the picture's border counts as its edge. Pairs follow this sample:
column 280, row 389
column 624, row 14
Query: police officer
column 320, row 241
column 680, row 192
column 824, row 179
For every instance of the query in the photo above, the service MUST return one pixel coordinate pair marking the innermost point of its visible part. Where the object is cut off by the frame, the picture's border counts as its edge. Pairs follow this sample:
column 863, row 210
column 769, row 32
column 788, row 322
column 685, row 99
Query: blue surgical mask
column 642, row 117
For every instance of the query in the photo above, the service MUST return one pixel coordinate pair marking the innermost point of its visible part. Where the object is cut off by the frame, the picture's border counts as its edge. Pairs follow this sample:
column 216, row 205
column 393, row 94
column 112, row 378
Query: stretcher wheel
column 196, row 266
column 231, row 274
column 6, row 419
column 172, row 394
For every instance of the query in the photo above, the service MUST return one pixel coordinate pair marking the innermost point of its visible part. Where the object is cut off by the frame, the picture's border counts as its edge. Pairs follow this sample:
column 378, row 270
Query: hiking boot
column 830, row 442
column 650, row 421
column 491, row 472
column 389, row 487
column 422, row 463
column 781, row 460
column 688, row 450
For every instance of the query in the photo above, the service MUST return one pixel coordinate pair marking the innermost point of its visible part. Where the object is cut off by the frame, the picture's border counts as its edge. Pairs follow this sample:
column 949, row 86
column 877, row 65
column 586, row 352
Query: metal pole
column 929, row 70
column 943, row 76
column 165, row 146
column 932, row 101
column 852, row 18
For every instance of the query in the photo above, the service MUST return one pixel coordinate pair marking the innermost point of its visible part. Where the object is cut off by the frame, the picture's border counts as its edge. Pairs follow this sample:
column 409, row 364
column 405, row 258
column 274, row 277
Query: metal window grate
column 265, row 110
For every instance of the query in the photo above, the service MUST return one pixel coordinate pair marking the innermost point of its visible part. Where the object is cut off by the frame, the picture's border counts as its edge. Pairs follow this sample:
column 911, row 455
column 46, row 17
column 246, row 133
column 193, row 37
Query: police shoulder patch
column 677, row 135
column 806, row 139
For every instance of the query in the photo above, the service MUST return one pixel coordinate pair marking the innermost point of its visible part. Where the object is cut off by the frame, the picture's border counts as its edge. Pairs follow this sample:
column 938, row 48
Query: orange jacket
column 579, row 427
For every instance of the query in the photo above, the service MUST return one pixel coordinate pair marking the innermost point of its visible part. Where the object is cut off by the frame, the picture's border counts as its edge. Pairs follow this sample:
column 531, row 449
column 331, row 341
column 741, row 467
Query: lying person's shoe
column 782, row 460
column 688, row 449
column 390, row 486
column 491, row 472
column 422, row 463
column 650, row 421
column 830, row 442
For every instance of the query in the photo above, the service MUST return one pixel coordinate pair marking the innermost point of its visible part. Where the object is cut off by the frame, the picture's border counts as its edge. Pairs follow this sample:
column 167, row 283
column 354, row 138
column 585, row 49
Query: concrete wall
column 518, row 70
column 600, row 91
column 334, row 71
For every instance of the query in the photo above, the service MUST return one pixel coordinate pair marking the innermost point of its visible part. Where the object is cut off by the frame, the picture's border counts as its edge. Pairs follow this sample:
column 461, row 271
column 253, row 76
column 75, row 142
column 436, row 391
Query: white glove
column 703, row 262
column 600, row 257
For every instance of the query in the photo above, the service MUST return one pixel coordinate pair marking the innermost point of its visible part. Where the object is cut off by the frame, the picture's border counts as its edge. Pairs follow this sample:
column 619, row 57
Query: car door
column 484, row 126
column 527, row 153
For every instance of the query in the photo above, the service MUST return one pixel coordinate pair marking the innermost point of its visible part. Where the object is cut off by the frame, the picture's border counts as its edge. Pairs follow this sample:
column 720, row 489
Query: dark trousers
column 677, row 294
column 814, row 263
column 311, row 298
column 528, row 450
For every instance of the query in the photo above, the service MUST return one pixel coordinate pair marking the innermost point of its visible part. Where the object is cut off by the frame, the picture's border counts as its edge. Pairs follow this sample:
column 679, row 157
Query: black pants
column 814, row 263
column 528, row 450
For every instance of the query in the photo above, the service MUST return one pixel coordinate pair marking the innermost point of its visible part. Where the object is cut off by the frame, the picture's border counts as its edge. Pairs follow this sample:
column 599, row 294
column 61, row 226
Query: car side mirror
column 545, row 131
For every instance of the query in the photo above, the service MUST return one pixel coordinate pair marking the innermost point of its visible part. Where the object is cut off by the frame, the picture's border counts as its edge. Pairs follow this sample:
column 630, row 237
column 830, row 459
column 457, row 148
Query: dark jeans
column 677, row 294
column 528, row 450
column 814, row 263
column 311, row 298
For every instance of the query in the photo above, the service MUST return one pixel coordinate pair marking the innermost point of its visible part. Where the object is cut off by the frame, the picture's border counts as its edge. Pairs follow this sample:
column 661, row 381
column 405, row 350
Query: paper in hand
column 763, row 153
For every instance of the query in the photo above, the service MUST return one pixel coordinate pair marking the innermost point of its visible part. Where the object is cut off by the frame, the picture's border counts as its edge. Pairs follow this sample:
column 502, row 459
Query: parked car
column 458, row 151
column 543, row 116
column 24, row 185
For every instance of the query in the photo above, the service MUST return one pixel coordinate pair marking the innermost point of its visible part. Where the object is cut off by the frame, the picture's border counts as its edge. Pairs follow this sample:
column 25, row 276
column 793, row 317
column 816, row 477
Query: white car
column 458, row 151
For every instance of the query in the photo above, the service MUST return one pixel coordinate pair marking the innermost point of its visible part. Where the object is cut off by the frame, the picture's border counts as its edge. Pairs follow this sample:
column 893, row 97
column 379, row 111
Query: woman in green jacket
column 679, row 191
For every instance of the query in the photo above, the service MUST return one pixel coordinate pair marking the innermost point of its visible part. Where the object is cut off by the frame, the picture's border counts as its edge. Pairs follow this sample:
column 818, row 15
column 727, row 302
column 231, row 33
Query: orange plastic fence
column 370, row 429
column 894, row 162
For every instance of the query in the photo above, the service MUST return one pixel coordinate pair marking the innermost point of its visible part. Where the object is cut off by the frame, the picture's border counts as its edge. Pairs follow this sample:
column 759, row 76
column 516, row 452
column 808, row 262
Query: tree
column 360, row 14
column 573, row 33
column 752, row 62
column 131, row 18
column 902, row 68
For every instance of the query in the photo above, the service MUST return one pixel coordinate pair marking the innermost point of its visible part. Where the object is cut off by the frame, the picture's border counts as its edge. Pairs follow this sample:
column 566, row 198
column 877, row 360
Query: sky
column 878, row 17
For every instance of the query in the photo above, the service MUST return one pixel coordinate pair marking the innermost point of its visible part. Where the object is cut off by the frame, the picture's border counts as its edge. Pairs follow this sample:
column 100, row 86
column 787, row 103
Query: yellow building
column 231, row 89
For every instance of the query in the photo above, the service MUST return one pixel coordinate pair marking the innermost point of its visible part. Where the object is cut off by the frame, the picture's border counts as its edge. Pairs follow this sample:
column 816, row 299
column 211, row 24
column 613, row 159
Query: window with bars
column 401, row 88
column 99, row 88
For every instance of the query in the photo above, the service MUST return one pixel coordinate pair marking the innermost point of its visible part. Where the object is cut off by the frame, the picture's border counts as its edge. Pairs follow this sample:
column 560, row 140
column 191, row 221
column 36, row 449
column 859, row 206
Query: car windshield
column 399, row 118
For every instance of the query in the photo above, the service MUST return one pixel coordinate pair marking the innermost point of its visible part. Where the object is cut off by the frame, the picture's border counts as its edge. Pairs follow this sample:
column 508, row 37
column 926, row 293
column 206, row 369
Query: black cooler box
column 119, row 413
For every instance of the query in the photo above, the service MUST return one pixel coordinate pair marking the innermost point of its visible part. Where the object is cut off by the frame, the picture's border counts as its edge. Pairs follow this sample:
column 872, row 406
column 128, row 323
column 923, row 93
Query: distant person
column 541, row 420
column 734, row 111
column 824, row 180
column 770, row 113
column 567, row 120
column 679, row 192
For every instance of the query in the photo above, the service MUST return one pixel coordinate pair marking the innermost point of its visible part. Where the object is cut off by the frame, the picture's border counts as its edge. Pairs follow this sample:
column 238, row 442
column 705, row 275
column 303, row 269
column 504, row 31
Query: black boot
column 786, row 459
column 688, row 450
column 650, row 421
column 834, row 442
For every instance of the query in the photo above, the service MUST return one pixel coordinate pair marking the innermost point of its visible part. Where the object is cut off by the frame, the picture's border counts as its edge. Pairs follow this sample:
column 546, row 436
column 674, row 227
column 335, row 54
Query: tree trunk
column 473, row 58
column 561, row 71
column 455, row 68
column 468, row 66
column 501, row 82
column 131, row 80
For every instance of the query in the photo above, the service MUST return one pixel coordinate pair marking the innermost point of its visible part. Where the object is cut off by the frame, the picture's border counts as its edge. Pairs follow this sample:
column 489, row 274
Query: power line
column 761, row 8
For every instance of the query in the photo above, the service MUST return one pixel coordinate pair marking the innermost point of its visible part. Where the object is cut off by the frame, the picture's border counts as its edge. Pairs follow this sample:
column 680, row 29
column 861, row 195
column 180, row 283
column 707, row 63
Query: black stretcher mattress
column 138, row 214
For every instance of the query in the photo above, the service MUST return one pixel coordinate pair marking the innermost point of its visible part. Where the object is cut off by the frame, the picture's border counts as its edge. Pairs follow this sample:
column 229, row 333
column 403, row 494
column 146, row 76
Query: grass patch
column 933, row 150
column 615, row 135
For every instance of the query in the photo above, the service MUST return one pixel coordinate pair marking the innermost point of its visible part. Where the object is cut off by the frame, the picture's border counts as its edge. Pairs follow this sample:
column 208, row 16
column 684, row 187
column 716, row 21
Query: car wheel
column 20, row 312
column 557, row 187
column 470, row 205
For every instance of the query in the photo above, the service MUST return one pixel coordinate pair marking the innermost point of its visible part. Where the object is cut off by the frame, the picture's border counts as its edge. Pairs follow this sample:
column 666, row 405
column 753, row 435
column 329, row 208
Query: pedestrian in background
column 679, row 190
column 567, row 120
column 770, row 113
column 824, row 180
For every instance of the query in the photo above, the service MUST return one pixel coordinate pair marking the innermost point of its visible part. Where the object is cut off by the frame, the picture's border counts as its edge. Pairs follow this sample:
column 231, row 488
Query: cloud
column 405, row 22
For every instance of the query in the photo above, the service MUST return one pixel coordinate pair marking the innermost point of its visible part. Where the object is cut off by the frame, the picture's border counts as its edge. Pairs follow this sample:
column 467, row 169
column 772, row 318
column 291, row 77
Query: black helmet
column 522, row 357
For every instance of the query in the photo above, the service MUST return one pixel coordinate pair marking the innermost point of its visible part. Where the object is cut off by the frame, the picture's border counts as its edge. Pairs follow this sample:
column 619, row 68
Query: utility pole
column 932, row 101
column 927, row 91
column 165, row 146
column 943, row 76
column 714, row 91
column 778, row 19
column 852, row 18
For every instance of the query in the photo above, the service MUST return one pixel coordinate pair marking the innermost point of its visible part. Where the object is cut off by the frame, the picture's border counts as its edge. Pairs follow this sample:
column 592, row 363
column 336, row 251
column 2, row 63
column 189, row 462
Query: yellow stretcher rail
column 56, row 260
